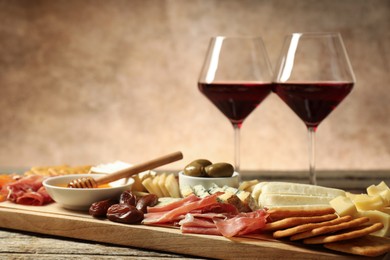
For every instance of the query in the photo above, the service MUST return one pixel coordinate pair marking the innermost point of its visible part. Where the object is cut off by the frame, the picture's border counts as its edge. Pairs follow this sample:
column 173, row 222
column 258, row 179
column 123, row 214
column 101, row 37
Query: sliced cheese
column 301, row 189
column 270, row 200
column 172, row 186
column 186, row 191
column 156, row 186
column 367, row 202
column 137, row 185
column 343, row 206
column 376, row 216
column 247, row 184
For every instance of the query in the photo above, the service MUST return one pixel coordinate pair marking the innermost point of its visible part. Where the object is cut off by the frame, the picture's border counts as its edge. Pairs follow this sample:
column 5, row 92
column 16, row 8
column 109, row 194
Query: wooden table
column 24, row 245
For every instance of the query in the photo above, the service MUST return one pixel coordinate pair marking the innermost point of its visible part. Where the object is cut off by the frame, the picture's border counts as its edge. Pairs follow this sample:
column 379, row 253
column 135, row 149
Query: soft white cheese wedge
column 301, row 189
column 271, row 200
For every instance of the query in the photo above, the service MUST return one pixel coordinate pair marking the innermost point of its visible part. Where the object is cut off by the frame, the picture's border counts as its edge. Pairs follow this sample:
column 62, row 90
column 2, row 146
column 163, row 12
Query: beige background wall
column 99, row 81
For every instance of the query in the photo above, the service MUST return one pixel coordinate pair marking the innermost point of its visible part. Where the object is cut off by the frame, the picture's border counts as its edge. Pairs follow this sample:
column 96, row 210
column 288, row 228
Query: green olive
column 202, row 162
column 219, row 170
column 196, row 168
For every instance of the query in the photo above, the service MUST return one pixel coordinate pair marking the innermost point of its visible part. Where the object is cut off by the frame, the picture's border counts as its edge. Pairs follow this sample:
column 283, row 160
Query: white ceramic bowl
column 207, row 182
column 82, row 199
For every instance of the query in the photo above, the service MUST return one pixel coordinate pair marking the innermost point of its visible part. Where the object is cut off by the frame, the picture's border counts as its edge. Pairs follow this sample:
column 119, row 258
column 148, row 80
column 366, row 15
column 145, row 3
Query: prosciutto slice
column 33, row 198
column 174, row 214
column 243, row 223
column 28, row 191
column 174, row 205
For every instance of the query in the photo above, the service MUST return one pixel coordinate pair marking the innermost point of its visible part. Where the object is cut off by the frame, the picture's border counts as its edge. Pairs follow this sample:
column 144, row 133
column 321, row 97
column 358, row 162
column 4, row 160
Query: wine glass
column 236, row 77
column 313, row 75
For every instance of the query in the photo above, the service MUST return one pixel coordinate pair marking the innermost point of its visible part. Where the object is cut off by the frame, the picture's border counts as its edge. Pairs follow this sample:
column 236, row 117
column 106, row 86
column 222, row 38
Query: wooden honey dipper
column 89, row 182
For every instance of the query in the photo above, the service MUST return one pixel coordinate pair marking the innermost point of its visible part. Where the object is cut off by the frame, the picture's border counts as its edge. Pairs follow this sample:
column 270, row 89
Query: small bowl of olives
column 82, row 199
column 205, row 173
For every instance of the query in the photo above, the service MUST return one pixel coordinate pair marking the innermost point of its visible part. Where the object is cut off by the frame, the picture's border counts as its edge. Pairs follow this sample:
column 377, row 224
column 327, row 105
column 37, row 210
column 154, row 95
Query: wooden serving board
column 54, row 220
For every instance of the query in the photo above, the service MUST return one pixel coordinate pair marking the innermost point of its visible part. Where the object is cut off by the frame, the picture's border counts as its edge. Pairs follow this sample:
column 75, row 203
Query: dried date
column 125, row 213
column 127, row 197
column 99, row 209
column 149, row 200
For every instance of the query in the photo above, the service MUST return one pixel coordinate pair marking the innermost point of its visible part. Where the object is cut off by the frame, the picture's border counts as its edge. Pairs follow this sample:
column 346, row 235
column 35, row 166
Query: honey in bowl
column 65, row 185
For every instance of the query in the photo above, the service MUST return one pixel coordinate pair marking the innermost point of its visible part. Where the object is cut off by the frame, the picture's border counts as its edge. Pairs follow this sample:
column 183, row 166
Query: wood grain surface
column 53, row 220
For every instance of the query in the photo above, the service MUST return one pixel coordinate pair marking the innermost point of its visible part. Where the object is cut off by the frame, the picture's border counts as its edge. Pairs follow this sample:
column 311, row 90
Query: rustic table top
column 24, row 245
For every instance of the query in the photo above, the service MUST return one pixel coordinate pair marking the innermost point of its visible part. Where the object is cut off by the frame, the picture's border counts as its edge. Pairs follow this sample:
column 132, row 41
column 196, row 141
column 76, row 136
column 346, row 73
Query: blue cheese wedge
column 214, row 189
column 200, row 191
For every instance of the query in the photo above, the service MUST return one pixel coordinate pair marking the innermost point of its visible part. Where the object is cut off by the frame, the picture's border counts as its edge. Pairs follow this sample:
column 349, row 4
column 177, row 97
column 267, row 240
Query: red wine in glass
column 236, row 77
column 236, row 100
column 313, row 101
column 313, row 75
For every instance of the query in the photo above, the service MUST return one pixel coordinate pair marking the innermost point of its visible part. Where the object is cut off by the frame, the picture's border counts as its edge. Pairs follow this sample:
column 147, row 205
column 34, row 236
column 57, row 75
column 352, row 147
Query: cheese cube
column 233, row 199
column 382, row 190
column 367, row 202
column 247, row 199
column 376, row 216
column 343, row 206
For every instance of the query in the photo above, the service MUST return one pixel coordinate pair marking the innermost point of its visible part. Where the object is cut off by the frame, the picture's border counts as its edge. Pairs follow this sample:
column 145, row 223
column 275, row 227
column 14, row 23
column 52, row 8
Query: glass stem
column 237, row 148
column 312, row 155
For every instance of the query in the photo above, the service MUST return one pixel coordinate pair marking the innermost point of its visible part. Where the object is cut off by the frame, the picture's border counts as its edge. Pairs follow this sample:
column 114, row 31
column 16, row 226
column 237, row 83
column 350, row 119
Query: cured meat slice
column 225, row 208
column 201, row 230
column 31, row 198
column 174, row 205
column 191, row 221
column 243, row 223
column 28, row 191
column 172, row 215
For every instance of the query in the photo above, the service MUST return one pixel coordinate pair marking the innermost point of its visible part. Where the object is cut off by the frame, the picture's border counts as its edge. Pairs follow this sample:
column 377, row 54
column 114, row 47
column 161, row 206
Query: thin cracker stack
column 295, row 221
column 330, row 228
column 365, row 246
column 321, row 226
column 349, row 234
column 308, row 227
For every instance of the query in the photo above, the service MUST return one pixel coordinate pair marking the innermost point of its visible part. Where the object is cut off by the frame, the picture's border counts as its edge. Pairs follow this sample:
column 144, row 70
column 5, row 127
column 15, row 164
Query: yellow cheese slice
column 367, row 202
column 376, row 216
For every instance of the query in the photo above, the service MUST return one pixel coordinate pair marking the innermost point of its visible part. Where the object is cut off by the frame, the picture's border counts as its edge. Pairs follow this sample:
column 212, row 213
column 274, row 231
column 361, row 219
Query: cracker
column 279, row 213
column 349, row 234
column 305, row 227
column 365, row 246
column 330, row 228
column 295, row 221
